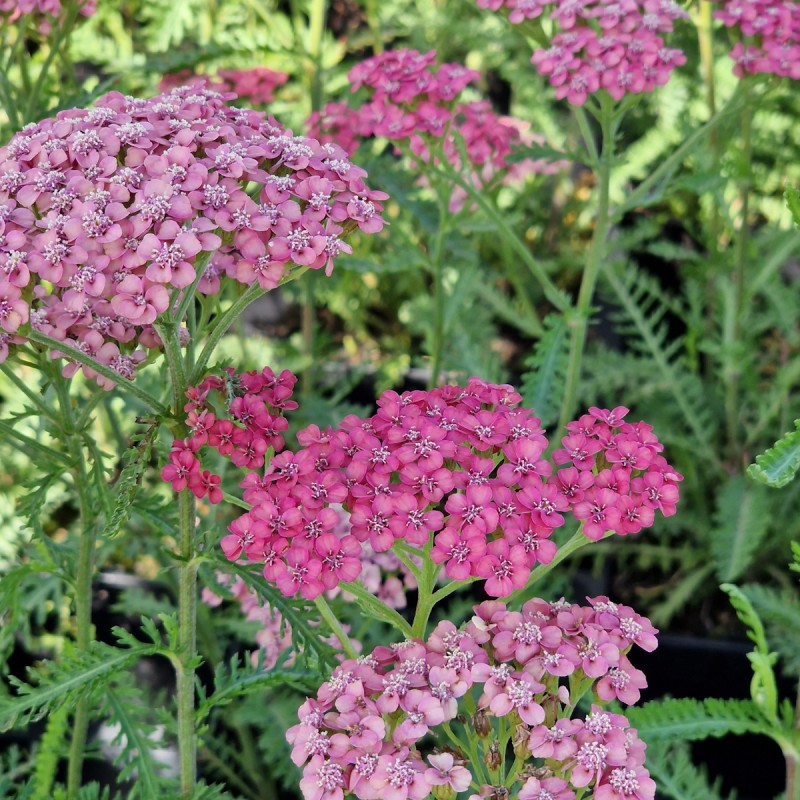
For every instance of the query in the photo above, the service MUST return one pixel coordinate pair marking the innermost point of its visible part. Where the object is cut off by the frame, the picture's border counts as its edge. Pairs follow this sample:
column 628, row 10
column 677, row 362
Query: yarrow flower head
column 108, row 214
column 413, row 100
column 458, row 470
column 616, row 46
column 770, row 31
column 360, row 734
column 255, row 86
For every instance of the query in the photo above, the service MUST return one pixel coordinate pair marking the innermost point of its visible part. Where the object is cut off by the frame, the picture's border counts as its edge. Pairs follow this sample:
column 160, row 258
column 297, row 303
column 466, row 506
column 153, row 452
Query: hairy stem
column 437, row 267
column 597, row 252
column 426, row 597
column 83, row 575
column 336, row 628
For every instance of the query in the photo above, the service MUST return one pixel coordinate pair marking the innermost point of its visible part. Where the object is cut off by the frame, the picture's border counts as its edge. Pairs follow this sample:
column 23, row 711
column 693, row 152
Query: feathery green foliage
column 763, row 687
column 777, row 466
column 543, row 382
column 670, row 765
column 741, row 522
column 779, row 610
column 675, row 719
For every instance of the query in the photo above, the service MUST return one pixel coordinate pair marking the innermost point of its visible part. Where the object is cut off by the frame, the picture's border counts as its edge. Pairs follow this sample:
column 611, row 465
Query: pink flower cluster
column 255, row 86
column 772, row 36
column 108, row 215
column 16, row 8
column 458, row 471
column 360, row 735
column 617, row 46
column 415, row 101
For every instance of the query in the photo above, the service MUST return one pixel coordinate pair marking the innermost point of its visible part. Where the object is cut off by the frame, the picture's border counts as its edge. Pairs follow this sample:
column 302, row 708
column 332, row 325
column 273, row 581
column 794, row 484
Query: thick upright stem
column 187, row 584
column 425, row 594
column 187, row 645
column 83, row 576
column 437, row 266
column 594, row 260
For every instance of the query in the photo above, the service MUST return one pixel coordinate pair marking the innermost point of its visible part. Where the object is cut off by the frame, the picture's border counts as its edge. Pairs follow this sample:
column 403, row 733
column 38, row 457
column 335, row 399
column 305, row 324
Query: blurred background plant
column 693, row 323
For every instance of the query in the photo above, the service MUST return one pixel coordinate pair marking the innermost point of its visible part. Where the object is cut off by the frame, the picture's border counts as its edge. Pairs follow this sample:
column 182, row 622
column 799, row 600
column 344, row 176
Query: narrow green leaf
column 740, row 524
column 777, row 466
column 792, row 196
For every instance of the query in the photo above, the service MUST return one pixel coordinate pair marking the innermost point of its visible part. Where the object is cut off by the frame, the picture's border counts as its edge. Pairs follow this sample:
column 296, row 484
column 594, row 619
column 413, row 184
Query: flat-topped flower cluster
column 522, row 670
column 457, row 473
column 109, row 214
column 255, row 86
column 617, row 46
column 414, row 100
column 771, row 31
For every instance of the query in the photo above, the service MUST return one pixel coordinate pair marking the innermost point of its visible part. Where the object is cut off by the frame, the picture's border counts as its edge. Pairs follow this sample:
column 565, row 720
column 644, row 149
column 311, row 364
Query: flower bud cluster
column 414, row 100
column 457, row 471
column 617, row 46
column 255, row 86
column 771, row 31
column 360, row 735
column 108, row 215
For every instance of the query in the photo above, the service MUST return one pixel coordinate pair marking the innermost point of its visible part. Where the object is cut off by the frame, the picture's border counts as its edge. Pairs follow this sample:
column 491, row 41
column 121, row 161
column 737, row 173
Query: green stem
column 330, row 619
column 425, row 594
column 437, row 267
column 101, row 369
column 83, row 577
column 597, row 252
column 732, row 373
column 640, row 195
column 551, row 291
column 42, row 407
column 793, row 755
column 577, row 542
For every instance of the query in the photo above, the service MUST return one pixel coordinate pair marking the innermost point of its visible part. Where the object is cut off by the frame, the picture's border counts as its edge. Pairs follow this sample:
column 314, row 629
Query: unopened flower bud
column 520, row 741
column 481, row 723
column 493, row 757
column 444, row 792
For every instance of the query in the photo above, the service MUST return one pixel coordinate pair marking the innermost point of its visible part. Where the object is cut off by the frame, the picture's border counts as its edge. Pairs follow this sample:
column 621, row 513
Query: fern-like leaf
column 763, row 687
column 645, row 308
column 137, row 739
column 740, row 524
column 57, row 683
column 780, row 612
column 675, row 719
column 52, row 747
column 240, row 677
column 670, row 765
column 543, row 383
column 777, row 466
column 792, row 196
column 127, row 485
column 305, row 638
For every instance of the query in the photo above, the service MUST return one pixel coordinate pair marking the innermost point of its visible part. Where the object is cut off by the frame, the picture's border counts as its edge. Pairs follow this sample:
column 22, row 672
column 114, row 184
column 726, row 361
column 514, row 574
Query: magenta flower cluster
column 457, row 473
column 415, row 101
column 255, row 86
column 617, row 46
column 360, row 735
column 771, row 31
column 108, row 215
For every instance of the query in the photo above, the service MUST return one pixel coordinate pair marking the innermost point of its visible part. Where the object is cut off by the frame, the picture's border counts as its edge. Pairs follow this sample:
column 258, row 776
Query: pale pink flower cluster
column 53, row 8
column 360, row 735
column 617, row 46
column 771, row 31
column 108, row 214
column 414, row 100
column 459, row 469
column 255, row 86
